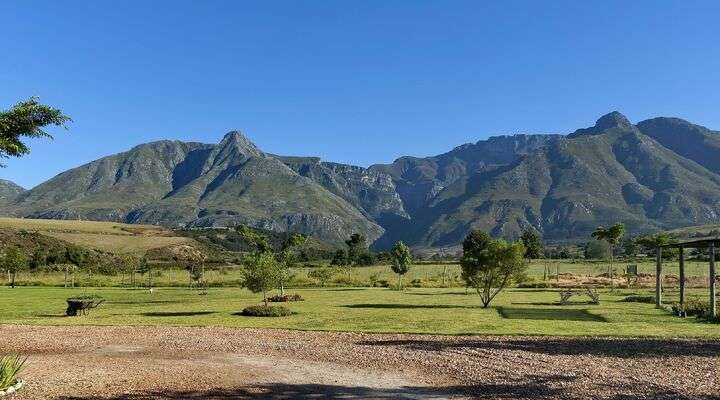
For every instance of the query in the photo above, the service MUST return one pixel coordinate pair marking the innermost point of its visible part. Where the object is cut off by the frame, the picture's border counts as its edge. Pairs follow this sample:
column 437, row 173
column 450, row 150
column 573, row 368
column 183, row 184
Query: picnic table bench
column 566, row 294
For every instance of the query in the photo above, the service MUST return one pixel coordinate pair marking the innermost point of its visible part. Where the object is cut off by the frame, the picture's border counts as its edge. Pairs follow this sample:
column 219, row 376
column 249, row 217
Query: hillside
column 108, row 237
column 196, row 185
column 660, row 174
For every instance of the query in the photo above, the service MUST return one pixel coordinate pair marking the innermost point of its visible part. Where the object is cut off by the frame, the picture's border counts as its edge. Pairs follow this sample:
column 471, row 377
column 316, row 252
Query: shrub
column 640, row 299
column 266, row 311
column 10, row 367
column 692, row 307
column 285, row 298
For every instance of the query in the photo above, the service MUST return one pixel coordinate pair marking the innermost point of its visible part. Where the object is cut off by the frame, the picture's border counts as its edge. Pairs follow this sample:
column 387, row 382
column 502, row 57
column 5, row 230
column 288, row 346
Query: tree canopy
column 401, row 260
column 261, row 273
column 26, row 120
column 534, row 248
column 612, row 235
column 490, row 265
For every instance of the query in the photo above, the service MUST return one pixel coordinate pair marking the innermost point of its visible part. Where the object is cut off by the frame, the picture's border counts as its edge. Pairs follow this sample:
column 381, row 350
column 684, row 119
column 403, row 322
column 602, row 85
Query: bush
column 640, row 299
column 10, row 367
column 270, row 311
column 692, row 307
column 285, row 298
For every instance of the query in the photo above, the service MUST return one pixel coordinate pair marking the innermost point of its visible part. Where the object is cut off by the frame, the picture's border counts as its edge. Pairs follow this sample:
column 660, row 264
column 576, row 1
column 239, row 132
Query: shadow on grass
column 141, row 302
column 51, row 315
column 406, row 306
column 177, row 313
column 553, row 314
column 350, row 289
column 440, row 294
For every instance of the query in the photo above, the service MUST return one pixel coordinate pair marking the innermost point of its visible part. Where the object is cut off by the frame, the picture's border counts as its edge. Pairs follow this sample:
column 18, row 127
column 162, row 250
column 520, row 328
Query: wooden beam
column 713, row 301
column 658, row 277
column 682, row 275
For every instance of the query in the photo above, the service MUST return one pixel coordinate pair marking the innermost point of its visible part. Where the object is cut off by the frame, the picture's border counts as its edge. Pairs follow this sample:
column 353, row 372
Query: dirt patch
column 222, row 363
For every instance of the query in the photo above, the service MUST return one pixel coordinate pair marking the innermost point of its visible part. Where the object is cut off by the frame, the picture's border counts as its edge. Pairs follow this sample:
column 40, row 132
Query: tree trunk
column 265, row 298
column 66, row 277
column 12, row 284
column 399, row 282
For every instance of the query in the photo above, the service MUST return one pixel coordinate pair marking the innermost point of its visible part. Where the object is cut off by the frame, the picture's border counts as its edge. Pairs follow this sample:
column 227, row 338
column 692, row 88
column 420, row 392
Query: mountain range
column 657, row 174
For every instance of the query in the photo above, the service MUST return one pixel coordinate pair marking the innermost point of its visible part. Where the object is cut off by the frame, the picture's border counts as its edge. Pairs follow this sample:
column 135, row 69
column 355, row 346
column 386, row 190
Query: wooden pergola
column 709, row 244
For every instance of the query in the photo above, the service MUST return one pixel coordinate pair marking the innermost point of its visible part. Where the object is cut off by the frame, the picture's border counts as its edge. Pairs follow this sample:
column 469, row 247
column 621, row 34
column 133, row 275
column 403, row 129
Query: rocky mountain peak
column 613, row 120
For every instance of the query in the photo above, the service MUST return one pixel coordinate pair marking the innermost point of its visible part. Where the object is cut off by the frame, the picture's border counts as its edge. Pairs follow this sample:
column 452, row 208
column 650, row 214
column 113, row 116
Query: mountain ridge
column 657, row 174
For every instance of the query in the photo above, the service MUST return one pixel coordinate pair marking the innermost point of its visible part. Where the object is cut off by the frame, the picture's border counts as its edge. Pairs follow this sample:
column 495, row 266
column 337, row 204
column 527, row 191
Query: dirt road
column 220, row 363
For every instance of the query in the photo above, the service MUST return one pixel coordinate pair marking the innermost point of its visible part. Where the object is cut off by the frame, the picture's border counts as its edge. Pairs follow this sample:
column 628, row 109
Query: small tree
column 339, row 258
column 612, row 236
column 490, row 265
column 13, row 261
column 534, row 248
column 401, row 260
column 289, row 253
column 357, row 246
column 261, row 273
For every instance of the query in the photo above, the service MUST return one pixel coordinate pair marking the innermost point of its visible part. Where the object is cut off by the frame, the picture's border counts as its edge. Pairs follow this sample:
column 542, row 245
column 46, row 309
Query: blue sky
column 360, row 82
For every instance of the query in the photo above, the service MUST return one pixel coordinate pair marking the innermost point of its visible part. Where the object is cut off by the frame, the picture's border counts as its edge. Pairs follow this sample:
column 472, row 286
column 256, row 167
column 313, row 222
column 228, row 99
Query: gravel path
column 222, row 363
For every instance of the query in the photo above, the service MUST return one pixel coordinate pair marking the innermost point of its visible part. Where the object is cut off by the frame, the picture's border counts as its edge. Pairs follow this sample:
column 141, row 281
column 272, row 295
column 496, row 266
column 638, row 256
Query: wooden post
column 713, row 301
column 658, row 277
column 682, row 276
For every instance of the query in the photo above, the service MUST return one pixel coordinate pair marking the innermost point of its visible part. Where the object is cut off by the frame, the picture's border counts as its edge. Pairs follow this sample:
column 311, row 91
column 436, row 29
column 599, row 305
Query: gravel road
column 222, row 363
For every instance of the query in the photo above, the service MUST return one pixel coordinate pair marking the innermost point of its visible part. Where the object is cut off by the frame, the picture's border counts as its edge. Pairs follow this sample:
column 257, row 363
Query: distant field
column 441, row 311
column 106, row 236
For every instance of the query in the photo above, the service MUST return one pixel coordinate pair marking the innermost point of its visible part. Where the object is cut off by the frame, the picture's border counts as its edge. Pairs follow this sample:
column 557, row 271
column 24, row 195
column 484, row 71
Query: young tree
column 13, row 260
column 261, row 273
column 534, row 248
column 357, row 246
column 612, row 236
column 490, row 265
column 401, row 260
column 26, row 120
column 288, row 256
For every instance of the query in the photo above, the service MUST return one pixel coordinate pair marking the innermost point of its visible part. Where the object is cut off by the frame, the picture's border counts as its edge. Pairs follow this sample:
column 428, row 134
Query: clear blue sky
column 360, row 82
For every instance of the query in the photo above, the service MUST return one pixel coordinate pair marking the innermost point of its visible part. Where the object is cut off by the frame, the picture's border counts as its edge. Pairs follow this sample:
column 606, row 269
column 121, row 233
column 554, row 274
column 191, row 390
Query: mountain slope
column 191, row 184
column 9, row 191
column 662, row 173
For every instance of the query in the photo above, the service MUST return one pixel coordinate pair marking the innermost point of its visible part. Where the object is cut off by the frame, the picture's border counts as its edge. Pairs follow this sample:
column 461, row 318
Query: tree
column 26, row 120
column 533, row 244
column 490, row 265
column 596, row 250
column 13, row 260
column 401, row 260
column 357, row 245
column 287, row 257
column 339, row 258
column 38, row 259
column 261, row 273
column 258, row 240
column 612, row 236
column 651, row 242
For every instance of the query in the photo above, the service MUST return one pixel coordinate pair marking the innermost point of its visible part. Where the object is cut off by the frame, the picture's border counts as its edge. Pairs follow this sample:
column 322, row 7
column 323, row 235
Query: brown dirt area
column 135, row 363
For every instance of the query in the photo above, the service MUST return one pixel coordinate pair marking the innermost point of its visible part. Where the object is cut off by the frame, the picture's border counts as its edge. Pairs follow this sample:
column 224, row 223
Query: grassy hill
column 109, row 237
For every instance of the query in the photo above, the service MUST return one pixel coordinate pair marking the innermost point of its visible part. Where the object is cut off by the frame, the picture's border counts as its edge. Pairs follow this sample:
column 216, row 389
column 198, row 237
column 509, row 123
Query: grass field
column 437, row 311
column 112, row 237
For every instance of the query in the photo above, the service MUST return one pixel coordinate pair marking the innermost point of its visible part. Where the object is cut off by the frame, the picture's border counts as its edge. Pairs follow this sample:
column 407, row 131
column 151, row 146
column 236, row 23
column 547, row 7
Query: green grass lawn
column 437, row 311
